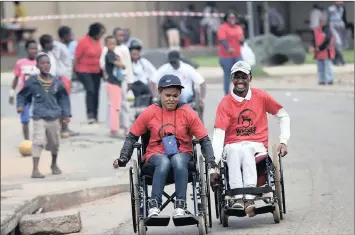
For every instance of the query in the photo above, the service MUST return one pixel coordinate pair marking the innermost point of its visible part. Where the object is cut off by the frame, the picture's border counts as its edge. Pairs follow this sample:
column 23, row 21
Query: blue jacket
column 46, row 105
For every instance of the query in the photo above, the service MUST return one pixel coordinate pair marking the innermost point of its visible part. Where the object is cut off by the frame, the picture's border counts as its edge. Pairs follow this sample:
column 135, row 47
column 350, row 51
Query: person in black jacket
column 50, row 102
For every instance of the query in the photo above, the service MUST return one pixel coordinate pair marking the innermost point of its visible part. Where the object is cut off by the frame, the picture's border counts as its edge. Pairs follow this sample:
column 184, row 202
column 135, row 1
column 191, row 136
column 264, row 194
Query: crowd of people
column 118, row 63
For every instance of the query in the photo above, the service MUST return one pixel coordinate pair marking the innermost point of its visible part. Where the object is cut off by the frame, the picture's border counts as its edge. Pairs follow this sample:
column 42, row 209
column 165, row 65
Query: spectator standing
column 230, row 37
column 210, row 23
column 66, row 36
column 86, row 64
column 277, row 22
column 20, row 11
column 24, row 69
column 172, row 32
column 324, row 51
column 337, row 20
column 315, row 16
column 123, row 52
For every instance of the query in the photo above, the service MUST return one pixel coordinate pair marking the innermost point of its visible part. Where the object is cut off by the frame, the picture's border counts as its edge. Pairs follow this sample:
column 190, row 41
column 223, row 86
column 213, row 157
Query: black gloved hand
column 214, row 177
column 120, row 162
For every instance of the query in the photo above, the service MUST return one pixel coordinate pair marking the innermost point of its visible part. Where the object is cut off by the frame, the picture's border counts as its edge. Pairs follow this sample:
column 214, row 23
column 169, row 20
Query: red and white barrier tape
column 113, row 15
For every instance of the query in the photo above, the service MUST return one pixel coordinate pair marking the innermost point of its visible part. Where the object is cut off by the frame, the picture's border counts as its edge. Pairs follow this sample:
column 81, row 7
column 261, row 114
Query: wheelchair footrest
column 252, row 191
column 161, row 220
column 264, row 209
column 235, row 212
column 258, row 210
column 185, row 220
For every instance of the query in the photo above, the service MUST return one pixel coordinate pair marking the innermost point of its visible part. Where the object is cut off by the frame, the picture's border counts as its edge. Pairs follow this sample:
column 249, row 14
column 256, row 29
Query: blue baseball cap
column 169, row 81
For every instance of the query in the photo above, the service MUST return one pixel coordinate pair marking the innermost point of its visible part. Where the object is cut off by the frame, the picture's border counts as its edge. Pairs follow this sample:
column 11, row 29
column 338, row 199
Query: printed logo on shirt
column 246, row 123
column 29, row 70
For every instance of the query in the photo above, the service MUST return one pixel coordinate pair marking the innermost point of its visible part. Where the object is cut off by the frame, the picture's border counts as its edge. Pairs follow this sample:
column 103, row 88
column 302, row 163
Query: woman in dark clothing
column 87, row 66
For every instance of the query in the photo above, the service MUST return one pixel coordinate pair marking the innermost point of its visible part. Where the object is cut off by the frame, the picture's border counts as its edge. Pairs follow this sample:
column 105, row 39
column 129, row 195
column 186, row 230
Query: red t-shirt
column 232, row 35
column 87, row 55
column 184, row 123
column 246, row 120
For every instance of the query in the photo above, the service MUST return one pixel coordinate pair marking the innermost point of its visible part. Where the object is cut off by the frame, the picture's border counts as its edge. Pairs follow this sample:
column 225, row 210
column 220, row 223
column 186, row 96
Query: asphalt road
column 318, row 171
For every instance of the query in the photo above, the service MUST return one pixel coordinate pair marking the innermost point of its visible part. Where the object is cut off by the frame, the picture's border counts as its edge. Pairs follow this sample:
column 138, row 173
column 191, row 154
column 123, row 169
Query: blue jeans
column 25, row 115
column 227, row 64
column 325, row 71
column 179, row 163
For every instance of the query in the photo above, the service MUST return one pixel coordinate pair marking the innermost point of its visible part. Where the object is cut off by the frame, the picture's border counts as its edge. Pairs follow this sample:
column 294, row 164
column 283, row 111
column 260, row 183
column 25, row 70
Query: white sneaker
column 238, row 203
column 179, row 212
column 153, row 212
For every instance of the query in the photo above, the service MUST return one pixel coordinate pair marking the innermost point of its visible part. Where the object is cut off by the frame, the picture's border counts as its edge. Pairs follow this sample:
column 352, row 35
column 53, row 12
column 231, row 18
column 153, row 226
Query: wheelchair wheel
column 277, row 214
column 202, row 228
column 203, row 195
column 223, row 218
column 277, row 180
column 134, row 188
column 142, row 230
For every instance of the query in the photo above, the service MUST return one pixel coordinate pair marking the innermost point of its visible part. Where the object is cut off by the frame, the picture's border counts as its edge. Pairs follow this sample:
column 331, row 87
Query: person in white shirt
column 143, row 71
column 315, row 16
column 123, row 52
column 241, row 133
column 58, row 54
column 187, row 75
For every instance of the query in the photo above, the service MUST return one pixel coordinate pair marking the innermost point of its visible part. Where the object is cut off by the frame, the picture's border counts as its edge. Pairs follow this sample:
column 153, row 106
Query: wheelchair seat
column 148, row 170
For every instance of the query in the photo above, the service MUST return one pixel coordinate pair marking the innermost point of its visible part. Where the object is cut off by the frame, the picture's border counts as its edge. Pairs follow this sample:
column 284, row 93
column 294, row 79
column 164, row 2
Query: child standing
column 114, row 77
column 324, row 51
column 24, row 68
column 50, row 102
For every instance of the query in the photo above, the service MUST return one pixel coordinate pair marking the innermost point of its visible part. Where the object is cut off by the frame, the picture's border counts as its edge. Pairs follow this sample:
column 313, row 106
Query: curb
column 55, row 201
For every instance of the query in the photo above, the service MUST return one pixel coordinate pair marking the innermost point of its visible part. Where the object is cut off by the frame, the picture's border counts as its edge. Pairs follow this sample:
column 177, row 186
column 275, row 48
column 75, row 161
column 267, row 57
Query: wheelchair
column 194, row 103
column 269, row 171
column 141, row 175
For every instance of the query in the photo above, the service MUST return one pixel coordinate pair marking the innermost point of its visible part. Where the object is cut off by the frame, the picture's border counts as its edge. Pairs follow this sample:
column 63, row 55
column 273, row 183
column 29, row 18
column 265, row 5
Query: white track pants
column 242, row 156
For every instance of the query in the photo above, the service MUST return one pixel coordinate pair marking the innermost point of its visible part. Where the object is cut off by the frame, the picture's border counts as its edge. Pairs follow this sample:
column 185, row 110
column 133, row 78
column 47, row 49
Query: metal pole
column 250, row 19
column 266, row 18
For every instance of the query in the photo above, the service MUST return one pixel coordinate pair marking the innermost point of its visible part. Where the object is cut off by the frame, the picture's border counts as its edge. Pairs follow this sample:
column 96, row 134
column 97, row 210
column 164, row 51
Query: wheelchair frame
column 274, row 184
column 202, row 215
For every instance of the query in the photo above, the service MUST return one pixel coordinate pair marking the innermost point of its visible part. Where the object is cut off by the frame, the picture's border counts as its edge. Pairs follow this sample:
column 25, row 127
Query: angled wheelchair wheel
column 277, row 178
column 202, row 228
column 142, row 230
column 204, row 191
column 277, row 214
column 134, row 188
column 224, row 218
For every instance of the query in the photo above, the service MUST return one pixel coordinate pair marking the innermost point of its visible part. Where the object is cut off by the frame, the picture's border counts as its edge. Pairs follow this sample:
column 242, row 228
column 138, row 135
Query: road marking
column 288, row 93
column 295, row 100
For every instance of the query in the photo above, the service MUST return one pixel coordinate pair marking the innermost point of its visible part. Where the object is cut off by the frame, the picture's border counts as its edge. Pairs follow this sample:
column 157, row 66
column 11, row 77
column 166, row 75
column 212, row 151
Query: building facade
column 148, row 29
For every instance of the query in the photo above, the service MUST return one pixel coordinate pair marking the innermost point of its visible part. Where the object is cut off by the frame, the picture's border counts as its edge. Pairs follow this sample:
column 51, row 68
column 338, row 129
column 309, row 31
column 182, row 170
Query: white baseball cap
column 241, row 66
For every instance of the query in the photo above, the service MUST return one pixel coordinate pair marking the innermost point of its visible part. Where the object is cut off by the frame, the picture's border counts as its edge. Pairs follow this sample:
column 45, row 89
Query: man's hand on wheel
column 282, row 149
column 120, row 162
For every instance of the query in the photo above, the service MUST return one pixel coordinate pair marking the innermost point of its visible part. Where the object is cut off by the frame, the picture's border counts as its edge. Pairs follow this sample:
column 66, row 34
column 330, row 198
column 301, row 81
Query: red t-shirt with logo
column 183, row 122
column 246, row 120
column 233, row 35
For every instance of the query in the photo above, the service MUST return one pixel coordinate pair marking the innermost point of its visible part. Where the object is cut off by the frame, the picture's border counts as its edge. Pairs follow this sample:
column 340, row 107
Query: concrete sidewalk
column 87, row 175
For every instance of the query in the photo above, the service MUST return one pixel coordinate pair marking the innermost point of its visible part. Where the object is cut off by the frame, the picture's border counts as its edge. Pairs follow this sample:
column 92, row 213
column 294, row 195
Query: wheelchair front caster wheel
column 202, row 228
column 224, row 218
column 142, row 230
column 276, row 214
